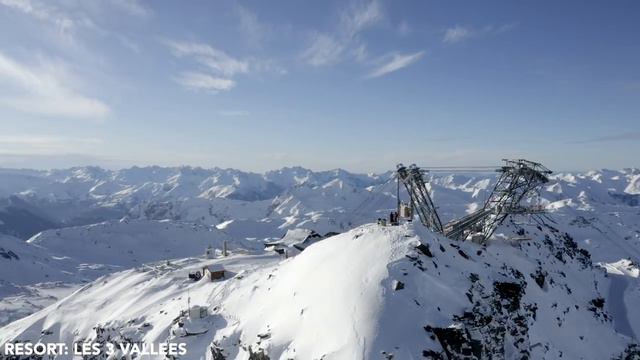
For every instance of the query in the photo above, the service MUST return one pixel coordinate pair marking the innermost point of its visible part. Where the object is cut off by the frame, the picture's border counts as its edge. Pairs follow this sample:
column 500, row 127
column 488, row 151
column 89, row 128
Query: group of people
column 394, row 219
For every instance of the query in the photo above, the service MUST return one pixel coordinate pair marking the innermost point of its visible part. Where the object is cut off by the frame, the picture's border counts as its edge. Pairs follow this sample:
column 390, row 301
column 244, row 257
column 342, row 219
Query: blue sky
column 355, row 84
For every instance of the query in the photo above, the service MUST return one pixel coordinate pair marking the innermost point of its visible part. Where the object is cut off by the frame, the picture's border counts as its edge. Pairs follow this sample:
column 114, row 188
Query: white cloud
column 216, row 60
column 201, row 81
column 326, row 48
column 132, row 7
column 75, row 106
column 69, row 17
column 361, row 16
column 457, row 34
column 42, row 11
column 267, row 66
column 66, row 20
column 460, row 33
column 217, row 68
column 395, row 63
column 253, row 30
column 45, row 90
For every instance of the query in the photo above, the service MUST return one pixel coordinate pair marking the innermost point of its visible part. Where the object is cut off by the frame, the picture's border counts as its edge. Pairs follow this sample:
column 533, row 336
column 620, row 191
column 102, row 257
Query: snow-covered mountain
column 63, row 259
column 373, row 292
column 79, row 196
column 32, row 201
column 565, row 288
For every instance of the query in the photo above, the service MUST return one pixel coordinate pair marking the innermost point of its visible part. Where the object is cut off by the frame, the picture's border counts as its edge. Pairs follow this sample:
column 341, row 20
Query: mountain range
column 88, row 248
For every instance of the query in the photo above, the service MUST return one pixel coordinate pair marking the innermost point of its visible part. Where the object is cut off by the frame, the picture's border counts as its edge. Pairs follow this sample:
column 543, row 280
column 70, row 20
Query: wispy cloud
column 461, row 33
column 39, row 10
column 201, row 81
column 395, row 62
column 346, row 43
column 361, row 16
column 217, row 60
column 217, row 68
column 252, row 28
column 45, row 89
column 220, row 66
column 627, row 136
column 326, row 48
column 44, row 12
column 133, row 7
column 457, row 34
column 69, row 19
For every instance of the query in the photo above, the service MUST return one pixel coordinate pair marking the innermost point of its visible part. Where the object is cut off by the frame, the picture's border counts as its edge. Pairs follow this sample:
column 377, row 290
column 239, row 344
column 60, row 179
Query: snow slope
column 373, row 292
column 33, row 274
column 128, row 242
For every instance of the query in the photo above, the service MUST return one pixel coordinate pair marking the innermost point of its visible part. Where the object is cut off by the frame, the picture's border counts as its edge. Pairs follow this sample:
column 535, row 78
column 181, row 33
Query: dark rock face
column 416, row 261
column 598, row 303
column 424, row 249
column 457, row 344
column 159, row 211
column 509, row 294
column 8, row 254
column 539, row 276
column 432, row 355
column 497, row 322
column 482, row 332
column 564, row 248
column 632, row 352
column 216, row 353
column 597, row 307
column 260, row 355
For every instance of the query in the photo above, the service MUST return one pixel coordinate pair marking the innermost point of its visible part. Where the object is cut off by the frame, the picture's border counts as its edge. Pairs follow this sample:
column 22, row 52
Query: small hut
column 198, row 312
column 213, row 272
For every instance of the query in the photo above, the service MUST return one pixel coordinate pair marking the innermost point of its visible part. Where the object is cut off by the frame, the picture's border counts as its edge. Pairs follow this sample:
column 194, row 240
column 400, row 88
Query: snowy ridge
column 400, row 300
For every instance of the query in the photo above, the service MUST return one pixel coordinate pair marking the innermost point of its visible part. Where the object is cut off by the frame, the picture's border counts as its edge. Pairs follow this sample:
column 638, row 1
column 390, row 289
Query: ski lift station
column 519, row 180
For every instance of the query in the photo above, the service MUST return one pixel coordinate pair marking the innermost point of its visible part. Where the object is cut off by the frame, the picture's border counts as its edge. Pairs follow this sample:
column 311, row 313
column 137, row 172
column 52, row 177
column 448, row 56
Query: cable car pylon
column 519, row 180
